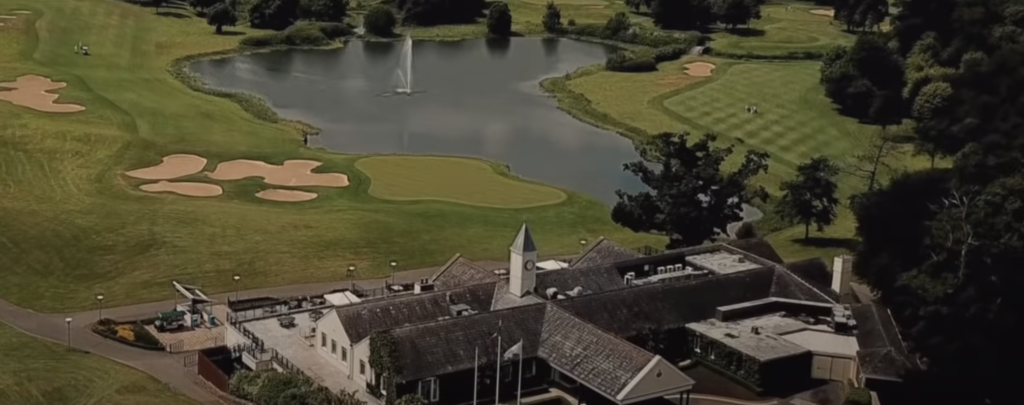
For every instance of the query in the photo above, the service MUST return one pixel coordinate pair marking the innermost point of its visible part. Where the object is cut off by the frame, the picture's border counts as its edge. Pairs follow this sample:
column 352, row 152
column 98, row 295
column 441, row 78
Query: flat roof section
column 723, row 262
column 825, row 342
column 764, row 346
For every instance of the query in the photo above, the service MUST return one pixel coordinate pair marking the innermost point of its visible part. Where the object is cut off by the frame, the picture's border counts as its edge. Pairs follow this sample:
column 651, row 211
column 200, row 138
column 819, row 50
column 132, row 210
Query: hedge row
column 636, row 36
column 791, row 55
column 301, row 34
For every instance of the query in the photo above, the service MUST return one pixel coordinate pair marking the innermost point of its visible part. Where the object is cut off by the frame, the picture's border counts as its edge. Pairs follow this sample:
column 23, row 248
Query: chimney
column 842, row 274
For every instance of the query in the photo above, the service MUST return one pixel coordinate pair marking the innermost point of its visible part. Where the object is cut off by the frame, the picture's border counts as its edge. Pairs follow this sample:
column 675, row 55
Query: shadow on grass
column 745, row 32
column 227, row 33
column 173, row 14
column 828, row 243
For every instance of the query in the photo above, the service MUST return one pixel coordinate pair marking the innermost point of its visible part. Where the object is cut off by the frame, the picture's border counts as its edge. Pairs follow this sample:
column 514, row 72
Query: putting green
column 37, row 372
column 786, row 26
column 465, row 181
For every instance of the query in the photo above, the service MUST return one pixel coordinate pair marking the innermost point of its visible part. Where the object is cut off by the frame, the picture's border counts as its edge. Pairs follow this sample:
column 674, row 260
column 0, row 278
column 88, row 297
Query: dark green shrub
column 858, row 396
column 667, row 53
column 143, row 337
column 552, row 20
column 746, row 231
column 571, row 22
column 380, row 21
column 631, row 61
column 499, row 20
column 335, row 30
column 261, row 40
column 305, row 34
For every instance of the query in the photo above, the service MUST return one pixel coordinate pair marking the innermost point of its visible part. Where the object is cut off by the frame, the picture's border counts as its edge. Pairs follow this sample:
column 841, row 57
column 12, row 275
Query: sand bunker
column 172, row 167
column 827, row 13
column 184, row 188
column 9, row 17
column 21, row 12
column 31, row 91
column 699, row 69
column 286, row 195
column 291, row 173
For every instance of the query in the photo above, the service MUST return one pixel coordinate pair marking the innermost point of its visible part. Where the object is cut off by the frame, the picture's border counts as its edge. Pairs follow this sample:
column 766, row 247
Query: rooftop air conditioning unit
column 679, row 267
column 661, row 269
column 629, row 278
column 577, row 291
column 551, row 292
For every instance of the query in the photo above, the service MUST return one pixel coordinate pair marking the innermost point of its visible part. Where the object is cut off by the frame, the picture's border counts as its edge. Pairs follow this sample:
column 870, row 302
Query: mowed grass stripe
column 36, row 372
column 408, row 178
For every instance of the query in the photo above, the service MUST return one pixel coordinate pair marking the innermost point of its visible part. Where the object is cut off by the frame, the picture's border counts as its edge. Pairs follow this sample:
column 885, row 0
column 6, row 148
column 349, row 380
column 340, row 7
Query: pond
column 471, row 98
column 477, row 98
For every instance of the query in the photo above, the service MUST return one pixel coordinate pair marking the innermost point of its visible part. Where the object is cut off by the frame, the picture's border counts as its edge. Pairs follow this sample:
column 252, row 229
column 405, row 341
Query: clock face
column 529, row 264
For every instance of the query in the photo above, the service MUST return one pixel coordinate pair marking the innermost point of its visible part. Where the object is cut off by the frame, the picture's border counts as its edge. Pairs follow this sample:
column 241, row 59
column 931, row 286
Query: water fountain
column 405, row 68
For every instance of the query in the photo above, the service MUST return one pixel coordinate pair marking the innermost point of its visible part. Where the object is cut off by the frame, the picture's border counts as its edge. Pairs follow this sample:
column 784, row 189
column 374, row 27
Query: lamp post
column 394, row 264
column 99, row 298
column 236, row 277
column 583, row 245
column 68, row 321
column 351, row 272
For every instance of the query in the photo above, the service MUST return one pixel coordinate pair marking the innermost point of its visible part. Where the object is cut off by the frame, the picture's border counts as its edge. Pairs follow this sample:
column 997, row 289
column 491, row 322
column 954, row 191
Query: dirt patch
column 275, row 194
column 31, row 91
column 184, row 188
column 826, row 13
column 699, row 69
column 172, row 167
column 291, row 173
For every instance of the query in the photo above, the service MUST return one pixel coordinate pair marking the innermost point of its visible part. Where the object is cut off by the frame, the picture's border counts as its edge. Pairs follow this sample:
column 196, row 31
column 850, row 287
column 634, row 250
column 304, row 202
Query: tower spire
column 524, row 241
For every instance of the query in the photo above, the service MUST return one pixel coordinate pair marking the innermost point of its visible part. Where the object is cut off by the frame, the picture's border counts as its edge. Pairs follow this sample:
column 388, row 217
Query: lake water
column 474, row 98
column 478, row 98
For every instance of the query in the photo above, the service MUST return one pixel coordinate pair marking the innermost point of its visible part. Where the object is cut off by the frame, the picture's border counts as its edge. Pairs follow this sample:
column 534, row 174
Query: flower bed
column 129, row 333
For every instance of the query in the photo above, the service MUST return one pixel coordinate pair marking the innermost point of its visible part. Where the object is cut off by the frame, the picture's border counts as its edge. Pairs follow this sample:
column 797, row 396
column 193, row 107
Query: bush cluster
column 669, row 53
column 635, row 35
column 301, row 34
column 791, row 55
column 631, row 61
column 271, row 387
column 134, row 334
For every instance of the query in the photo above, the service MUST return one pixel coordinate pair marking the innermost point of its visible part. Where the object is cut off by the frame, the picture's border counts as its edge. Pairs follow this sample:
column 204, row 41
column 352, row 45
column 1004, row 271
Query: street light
column 351, row 272
column 99, row 297
column 236, row 277
column 393, row 263
column 583, row 244
column 68, row 321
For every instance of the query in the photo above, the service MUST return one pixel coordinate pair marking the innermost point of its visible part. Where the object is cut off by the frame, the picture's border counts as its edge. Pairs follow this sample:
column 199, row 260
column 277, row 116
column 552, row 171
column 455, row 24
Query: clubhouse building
column 611, row 326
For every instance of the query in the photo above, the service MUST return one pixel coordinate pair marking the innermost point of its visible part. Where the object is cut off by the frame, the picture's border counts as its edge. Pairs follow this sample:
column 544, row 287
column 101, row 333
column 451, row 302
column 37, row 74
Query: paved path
column 165, row 367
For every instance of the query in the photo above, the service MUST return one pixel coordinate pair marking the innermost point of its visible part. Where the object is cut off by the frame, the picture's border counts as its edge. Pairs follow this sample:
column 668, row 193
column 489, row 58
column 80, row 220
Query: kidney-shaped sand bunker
column 32, row 91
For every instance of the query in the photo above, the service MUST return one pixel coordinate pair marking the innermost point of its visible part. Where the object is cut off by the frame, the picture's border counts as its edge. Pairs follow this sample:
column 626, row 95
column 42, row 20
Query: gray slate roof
column 505, row 299
column 668, row 305
column 360, row 320
column 593, row 279
column 602, row 360
column 757, row 247
column 524, row 241
column 603, row 251
column 460, row 272
column 447, row 346
column 882, row 352
column 816, row 273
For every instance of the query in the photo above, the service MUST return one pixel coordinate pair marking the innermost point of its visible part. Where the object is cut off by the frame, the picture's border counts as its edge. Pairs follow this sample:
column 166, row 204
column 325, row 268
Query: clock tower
column 522, row 271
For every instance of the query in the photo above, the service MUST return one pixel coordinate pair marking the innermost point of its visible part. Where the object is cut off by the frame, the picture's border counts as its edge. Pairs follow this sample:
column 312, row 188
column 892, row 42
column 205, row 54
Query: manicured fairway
column 71, row 224
column 780, row 31
column 464, row 181
column 628, row 97
column 37, row 372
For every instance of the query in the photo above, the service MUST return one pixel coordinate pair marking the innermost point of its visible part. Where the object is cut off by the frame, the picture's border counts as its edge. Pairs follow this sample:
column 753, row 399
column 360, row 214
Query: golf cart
column 171, row 320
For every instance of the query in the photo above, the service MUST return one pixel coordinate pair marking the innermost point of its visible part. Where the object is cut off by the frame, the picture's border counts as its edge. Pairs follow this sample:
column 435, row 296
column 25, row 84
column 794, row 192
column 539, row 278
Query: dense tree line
column 435, row 12
column 861, row 14
column 943, row 247
column 699, row 14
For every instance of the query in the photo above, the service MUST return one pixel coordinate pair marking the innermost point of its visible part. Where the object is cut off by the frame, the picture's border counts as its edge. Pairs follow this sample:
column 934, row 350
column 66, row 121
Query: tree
column 887, row 108
column 552, row 18
column 203, row 5
column 273, row 14
column 221, row 15
column 499, row 20
column 157, row 4
column 875, row 157
column 434, row 12
column 691, row 199
column 811, row 196
column 411, row 399
column 855, row 78
column 380, row 21
column 635, row 5
column 736, row 12
column 681, row 14
column 324, row 10
column 617, row 24
column 747, row 230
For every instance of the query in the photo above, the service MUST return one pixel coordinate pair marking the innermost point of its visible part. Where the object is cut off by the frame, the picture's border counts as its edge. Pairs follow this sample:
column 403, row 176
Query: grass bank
column 71, row 224
column 37, row 372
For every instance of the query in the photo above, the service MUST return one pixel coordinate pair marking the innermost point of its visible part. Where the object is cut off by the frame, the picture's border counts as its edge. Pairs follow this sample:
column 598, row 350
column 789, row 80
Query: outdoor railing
column 647, row 250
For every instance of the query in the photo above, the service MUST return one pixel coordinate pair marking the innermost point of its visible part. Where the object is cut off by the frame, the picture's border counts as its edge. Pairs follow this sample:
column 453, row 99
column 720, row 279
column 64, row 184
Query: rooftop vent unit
column 576, row 291
column 502, row 273
column 741, row 259
column 731, row 335
column 661, row 269
column 460, row 310
column 628, row 279
column 551, row 292
column 423, row 285
column 755, row 330
column 679, row 267
column 560, row 296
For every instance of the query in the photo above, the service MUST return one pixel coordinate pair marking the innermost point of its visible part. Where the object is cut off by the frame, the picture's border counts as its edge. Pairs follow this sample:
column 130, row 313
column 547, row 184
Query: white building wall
column 362, row 354
column 232, row 337
column 330, row 326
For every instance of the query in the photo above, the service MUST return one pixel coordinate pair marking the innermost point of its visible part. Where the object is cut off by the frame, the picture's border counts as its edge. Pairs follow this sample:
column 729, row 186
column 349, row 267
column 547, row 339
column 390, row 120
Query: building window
column 323, row 339
column 344, row 354
column 362, row 368
column 530, row 368
column 430, row 389
column 506, row 371
column 334, row 347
